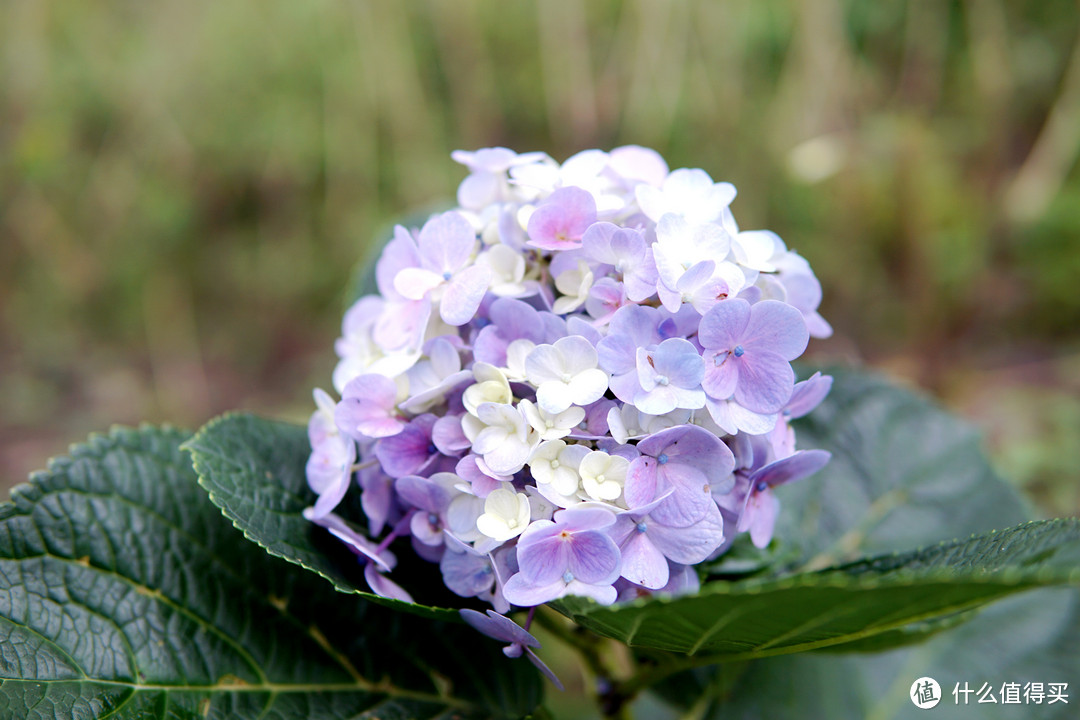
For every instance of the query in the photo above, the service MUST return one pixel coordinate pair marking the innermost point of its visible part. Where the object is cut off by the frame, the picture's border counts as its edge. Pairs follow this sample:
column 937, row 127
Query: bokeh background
column 187, row 188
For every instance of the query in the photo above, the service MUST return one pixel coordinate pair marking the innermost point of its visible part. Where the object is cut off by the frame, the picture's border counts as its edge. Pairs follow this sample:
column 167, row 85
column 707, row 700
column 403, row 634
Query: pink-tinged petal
column 423, row 530
column 446, row 242
column 519, row 591
column 643, row 563
column 399, row 253
column 560, row 222
column 766, row 381
column 766, row 507
column 802, row 464
column 463, row 295
column 641, row 482
column 723, row 326
column 633, row 162
column 721, row 374
column 384, row 586
column 596, row 242
column 692, row 544
column 478, row 189
column 448, row 436
column 415, row 283
column 482, row 483
column 777, row 327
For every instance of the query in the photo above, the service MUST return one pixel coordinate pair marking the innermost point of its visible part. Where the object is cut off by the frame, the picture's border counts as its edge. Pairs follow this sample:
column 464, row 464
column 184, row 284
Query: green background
column 185, row 188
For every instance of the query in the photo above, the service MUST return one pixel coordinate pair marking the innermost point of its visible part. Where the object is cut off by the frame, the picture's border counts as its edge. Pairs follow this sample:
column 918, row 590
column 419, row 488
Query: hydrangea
column 578, row 382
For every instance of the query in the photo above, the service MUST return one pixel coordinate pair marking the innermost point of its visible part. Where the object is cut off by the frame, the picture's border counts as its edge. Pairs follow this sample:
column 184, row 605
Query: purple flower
column 509, row 320
column 329, row 471
column 686, row 461
column 747, row 352
column 446, row 245
column 669, row 377
column 410, row 451
column 560, row 222
column 647, row 544
column 571, row 555
column 503, row 629
column 627, row 252
column 761, row 506
column 368, row 408
column 431, row 497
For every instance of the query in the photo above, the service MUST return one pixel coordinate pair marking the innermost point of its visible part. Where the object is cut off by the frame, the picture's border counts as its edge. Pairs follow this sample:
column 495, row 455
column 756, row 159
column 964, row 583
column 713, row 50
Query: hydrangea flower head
column 578, row 382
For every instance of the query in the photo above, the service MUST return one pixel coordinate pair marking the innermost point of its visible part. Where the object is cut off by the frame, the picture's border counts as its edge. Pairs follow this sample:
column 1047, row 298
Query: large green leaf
column 1028, row 638
column 763, row 617
column 125, row 593
column 254, row 471
column 904, row 473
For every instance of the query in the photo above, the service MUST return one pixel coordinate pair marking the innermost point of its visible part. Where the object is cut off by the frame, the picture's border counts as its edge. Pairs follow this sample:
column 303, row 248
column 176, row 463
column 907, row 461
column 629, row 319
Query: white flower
column 603, row 475
column 556, row 464
column 430, row 380
column 565, row 374
column 507, row 271
column 574, row 286
column 491, row 387
column 516, row 352
column 758, row 249
column 628, row 423
column 500, row 433
column 506, row 514
column 690, row 193
column 549, row 426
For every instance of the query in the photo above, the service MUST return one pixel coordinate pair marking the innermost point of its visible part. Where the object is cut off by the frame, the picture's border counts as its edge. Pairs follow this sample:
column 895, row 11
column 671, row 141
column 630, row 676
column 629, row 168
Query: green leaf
column 1027, row 638
column 904, row 473
column 763, row 617
column 125, row 593
column 254, row 471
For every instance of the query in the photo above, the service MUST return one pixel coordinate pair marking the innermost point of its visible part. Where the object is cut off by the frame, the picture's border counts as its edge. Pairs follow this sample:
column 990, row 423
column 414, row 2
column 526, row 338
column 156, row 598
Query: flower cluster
column 578, row 382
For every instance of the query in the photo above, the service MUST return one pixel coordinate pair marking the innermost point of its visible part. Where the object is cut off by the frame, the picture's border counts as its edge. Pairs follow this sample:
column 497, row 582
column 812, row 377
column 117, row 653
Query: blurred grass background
column 185, row 188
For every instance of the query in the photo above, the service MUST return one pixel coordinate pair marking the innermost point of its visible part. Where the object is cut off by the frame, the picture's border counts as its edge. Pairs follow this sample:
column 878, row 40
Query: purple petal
column 594, row 558
column 519, row 591
column 721, row 379
column 643, row 563
column 561, row 221
column 466, row 574
column 766, row 381
column 690, row 498
column 446, row 241
column 543, row 668
column 499, row 627
column 463, row 295
column 641, row 482
column 808, row 394
column 692, row 544
column 723, row 326
column 776, row 327
column 802, row 464
column 422, row 493
column 384, row 586
column 409, row 451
